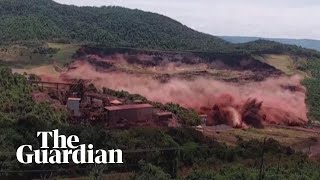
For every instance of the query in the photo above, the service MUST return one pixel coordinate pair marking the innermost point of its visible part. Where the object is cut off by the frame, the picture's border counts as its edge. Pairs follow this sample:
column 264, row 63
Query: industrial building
column 73, row 105
column 94, row 107
column 163, row 118
column 129, row 114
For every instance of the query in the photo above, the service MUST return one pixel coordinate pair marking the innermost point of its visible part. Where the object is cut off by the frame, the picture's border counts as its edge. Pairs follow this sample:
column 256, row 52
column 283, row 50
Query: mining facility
column 90, row 106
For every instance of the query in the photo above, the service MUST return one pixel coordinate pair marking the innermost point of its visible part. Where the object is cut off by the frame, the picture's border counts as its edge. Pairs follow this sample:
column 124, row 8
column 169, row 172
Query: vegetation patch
column 284, row 63
column 65, row 53
column 313, row 85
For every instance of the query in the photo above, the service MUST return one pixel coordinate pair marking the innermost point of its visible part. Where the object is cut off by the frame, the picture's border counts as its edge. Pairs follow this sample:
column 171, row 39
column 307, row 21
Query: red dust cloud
column 274, row 101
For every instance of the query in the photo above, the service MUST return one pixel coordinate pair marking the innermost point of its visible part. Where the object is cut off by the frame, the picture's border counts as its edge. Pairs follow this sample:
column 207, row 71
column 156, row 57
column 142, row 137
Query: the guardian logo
column 65, row 150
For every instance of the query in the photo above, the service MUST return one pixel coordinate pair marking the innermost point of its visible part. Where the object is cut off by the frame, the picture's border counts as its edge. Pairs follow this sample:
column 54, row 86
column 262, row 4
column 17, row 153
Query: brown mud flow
column 240, row 93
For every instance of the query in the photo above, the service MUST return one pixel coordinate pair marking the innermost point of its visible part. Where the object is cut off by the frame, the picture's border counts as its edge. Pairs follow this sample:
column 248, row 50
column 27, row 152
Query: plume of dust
column 283, row 98
column 221, row 114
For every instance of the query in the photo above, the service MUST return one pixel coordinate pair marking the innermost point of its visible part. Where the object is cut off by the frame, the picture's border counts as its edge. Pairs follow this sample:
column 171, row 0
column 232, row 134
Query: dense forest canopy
column 116, row 26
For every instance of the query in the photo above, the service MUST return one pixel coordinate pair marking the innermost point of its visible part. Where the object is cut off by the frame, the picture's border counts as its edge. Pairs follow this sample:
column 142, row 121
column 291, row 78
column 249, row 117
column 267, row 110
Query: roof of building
column 164, row 114
column 74, row 99
column 96, row 95
column 129, row 106
column 116, row 102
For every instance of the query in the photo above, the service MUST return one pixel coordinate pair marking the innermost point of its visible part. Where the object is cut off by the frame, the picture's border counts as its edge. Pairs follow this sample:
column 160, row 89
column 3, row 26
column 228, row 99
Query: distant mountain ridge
column 305, row 43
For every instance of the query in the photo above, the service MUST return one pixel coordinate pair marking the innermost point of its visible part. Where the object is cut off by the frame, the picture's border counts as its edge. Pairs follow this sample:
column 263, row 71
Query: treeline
column 232, row 52
column 270, row 47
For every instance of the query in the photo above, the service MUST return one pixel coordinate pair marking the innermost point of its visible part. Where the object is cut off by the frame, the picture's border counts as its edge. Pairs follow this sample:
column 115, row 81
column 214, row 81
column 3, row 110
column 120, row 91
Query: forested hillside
column 36, row 20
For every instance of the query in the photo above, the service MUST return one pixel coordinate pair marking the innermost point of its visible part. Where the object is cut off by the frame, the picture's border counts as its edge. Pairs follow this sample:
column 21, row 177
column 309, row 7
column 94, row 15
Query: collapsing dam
column 249, row 93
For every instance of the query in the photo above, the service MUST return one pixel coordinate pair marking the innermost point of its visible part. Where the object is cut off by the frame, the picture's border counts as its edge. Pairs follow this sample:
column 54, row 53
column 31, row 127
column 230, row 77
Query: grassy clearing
column 22, row 56
column 285, row 63
column 40, row 71
column 19, row 56
column 298, row 139
column 64, row 55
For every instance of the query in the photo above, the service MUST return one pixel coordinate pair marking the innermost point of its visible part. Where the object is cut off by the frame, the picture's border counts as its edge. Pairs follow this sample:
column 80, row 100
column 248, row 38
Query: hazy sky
column 264, row 18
